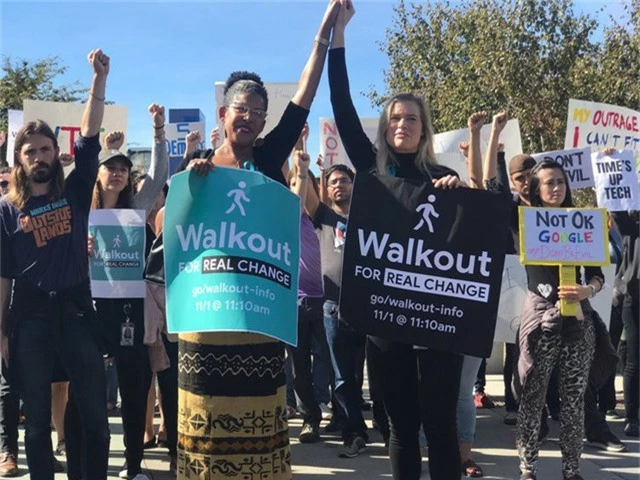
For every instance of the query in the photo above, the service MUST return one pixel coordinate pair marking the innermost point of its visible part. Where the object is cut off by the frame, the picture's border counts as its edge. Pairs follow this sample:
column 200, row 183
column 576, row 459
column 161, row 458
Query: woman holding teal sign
column 243, row 405
column 122, row 319
column 546, row 339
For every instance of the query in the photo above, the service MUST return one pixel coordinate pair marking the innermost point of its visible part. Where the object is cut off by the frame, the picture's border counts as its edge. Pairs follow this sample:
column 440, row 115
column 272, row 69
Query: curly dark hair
column 244, row 82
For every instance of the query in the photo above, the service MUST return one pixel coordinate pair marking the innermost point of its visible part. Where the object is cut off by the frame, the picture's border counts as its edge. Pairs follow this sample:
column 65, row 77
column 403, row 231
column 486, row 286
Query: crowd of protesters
column 66, row 354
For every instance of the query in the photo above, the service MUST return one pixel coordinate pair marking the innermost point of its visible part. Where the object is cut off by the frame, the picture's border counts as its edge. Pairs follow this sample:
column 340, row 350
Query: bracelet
column 322, row 41
column 160, row 127
column 100, row 99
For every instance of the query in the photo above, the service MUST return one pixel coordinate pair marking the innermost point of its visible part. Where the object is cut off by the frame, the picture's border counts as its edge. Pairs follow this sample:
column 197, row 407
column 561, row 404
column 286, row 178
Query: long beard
column 42, row 174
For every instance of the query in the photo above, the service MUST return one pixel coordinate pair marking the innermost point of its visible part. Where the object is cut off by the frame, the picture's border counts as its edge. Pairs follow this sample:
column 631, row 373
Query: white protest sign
column 514, row 290
column 331, row 146
column 616, row 181
column 16, row 120
column 563, row 236
column 600, row 125
column 175, row 134
column 576, row 162
column 446, row 145
column 280, row 94
column 65, row 118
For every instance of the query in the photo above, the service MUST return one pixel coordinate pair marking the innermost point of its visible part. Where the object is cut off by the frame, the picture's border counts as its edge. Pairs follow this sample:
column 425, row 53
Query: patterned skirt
column 232, row 416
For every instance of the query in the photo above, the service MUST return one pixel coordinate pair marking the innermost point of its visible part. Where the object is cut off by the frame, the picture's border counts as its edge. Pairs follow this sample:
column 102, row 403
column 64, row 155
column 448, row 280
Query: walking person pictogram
column 117, row 241
column 239, row 196
column 428, row 211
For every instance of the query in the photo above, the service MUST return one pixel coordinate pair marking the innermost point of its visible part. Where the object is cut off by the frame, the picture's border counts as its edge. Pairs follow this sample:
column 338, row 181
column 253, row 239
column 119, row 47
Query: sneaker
column 510, row 418
column 61, row 449
column 8, row 465
column 353, row 447
column 333, row 426
column 57, row 466
column 326, row 411
column 607, row 442
column 612, row 415
column 124, row 471
column 482, row 400
column 309, row 433
column 631, row 429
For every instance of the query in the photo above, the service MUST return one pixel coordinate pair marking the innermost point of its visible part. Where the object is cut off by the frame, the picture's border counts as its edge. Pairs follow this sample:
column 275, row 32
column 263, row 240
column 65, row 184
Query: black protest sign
column 423, row 265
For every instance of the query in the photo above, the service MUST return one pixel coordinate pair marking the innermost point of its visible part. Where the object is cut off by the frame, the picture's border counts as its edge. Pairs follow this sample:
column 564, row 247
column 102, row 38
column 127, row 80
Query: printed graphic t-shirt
column 332, row 230
column 45, row 244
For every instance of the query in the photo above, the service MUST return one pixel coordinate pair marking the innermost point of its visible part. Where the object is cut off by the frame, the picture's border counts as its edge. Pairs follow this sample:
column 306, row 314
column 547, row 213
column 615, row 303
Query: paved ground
column 494, row 452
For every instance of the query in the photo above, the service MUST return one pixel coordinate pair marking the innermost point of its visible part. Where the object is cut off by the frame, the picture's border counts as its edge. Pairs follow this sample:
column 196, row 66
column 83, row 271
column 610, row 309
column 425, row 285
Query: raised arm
column 474, row 160
column 491, row 157
column 356, row 143
column 310, row 78
column 94, row 109
column 159, row 168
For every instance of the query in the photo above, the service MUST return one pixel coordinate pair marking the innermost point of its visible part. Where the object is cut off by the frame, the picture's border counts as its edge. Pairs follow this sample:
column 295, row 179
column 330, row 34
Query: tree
column 528, row 56
column 36, row 81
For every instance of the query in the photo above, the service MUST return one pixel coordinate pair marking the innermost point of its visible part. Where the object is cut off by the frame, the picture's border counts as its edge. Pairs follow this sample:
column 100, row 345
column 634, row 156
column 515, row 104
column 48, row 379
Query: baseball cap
column 520, row 163
column 113, row 153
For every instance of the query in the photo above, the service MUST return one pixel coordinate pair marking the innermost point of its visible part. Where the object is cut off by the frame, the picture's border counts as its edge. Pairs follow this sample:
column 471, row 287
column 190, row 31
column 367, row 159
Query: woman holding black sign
column 420, row 385
column 546, row 338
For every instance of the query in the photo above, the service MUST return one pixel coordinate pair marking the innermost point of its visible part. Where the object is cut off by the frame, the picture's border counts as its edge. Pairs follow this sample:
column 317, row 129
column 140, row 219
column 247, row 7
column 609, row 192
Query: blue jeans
column 60, row 327
column 344, row 342
column 9, row 412
column 466, row 412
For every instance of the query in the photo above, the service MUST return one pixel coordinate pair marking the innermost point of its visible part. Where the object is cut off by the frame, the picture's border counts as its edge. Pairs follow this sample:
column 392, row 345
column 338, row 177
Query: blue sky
column 173, row 52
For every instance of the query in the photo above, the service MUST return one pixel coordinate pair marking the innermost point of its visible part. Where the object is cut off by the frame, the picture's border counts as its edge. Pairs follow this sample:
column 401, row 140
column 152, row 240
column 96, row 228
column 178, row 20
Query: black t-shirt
column 270, row 153
column 332, row 230
column 544, row 280
column 45, row 244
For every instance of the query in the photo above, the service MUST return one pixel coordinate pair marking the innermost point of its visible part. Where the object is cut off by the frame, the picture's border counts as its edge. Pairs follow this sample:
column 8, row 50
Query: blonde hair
column 19, row 192
column 385, row 156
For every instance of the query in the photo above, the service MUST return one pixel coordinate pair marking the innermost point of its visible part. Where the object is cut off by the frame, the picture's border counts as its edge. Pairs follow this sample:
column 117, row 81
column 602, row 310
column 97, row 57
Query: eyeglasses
column 339, row 181
column 245, row 110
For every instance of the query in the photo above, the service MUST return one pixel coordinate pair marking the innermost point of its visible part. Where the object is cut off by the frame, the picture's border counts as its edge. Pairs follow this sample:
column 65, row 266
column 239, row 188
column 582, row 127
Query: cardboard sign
column 117, row 264
column 600, row 125
column 229, row 266
column 616, row 181
column 331, row 146
column 576, row 162
column 65, row 118
column 411, row 274
column 563, row 236
column 16, row 120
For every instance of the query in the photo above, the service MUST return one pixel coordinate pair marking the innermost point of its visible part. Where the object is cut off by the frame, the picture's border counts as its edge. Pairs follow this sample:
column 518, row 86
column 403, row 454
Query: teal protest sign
column 231, row 247
column 117, row 263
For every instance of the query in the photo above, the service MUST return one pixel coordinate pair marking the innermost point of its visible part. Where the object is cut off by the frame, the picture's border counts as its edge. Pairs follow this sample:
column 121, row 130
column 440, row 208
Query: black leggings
column 631, row 374
column 420, row 386
column 168, row 384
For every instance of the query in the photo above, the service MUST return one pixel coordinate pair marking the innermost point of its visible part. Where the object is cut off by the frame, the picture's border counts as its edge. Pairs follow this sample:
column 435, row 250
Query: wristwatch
column 593, row 290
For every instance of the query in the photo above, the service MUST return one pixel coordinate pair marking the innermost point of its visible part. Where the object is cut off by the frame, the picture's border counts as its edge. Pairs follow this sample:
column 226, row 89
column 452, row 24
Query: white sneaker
column 326, row 411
